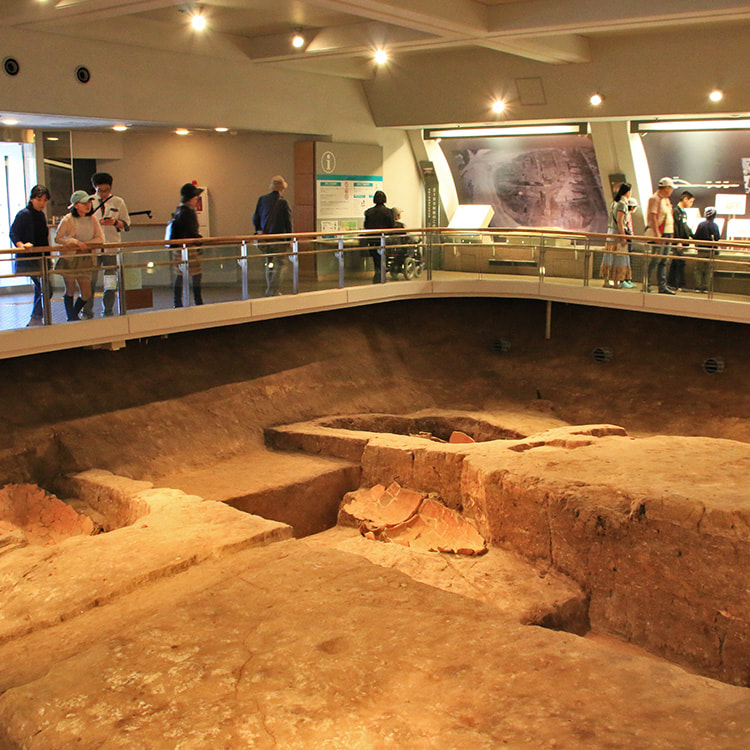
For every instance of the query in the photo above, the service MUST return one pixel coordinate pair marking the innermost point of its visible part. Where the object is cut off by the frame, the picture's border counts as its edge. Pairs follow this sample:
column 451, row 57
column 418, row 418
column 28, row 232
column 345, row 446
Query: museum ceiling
column 339, row 37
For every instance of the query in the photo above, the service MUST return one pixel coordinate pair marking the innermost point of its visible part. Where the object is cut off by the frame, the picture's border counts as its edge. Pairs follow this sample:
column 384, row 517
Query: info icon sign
column 328, row 162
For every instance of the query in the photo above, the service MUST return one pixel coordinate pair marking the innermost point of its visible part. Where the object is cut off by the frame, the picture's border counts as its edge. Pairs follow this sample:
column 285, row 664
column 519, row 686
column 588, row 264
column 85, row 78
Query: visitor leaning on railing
column 29, row 230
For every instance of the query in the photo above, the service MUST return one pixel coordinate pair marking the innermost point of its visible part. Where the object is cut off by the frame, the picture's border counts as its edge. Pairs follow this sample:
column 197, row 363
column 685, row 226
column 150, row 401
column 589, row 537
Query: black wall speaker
column 11, row 66
column 82, row 74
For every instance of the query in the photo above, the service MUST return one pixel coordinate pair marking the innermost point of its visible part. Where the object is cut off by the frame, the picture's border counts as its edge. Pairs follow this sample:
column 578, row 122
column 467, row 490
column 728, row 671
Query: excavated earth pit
column 194, row 624
column 583, row 539
column 653, row 567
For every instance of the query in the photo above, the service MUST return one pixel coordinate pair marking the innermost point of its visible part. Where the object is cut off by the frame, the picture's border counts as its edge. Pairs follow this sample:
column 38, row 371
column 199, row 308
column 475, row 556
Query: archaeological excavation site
column 411, row 525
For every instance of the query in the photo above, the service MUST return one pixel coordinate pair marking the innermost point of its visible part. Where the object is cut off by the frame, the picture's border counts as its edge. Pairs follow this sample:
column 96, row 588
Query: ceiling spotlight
column 716, row 95
column 9, row 121
column 198, row 21
column 498, row 106
column 381, row 57
column 298, row 41
column 120, row 128
column 596, row 100
column 221, row 129
column 182, row 131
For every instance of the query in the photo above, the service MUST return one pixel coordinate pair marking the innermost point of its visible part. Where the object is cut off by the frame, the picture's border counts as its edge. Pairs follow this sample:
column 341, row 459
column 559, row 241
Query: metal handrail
column 434, row 242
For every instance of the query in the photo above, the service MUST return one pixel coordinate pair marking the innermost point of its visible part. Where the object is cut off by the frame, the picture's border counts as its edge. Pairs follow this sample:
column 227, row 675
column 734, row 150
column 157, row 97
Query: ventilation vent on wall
column 601, row 354
column 713, row 365
column 11, row 66
column 82, row 74
column 500, row 346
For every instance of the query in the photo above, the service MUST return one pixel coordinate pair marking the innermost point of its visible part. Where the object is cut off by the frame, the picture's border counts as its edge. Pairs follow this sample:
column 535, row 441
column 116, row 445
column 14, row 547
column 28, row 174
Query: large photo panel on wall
column 530, row 181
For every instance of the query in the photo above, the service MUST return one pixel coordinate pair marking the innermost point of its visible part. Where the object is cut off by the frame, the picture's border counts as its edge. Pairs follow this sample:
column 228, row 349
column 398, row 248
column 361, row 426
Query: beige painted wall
column 235, row 168
column 659, row 72
column 148, row 86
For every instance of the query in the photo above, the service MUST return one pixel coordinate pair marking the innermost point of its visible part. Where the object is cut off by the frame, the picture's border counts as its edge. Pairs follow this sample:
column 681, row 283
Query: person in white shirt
column 113, row 216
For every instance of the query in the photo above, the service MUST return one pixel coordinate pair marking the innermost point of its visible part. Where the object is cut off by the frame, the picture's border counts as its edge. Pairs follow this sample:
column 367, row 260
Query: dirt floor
column 324, row 642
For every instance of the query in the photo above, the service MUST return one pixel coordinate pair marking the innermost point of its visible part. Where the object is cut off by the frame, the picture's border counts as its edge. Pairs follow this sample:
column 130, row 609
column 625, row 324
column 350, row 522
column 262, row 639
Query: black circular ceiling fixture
column 11, row 66
column 82, row 74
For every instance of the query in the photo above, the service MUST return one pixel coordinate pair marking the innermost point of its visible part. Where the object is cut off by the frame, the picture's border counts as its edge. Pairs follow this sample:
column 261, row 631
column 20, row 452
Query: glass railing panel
column 146, row 279
column 16, row 301
column 725, row 276
column 509, row 254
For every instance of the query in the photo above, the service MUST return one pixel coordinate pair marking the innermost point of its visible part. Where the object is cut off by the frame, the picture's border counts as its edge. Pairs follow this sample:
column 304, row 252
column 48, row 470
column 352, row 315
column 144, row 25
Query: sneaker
column 86, row 315
column 628, row 284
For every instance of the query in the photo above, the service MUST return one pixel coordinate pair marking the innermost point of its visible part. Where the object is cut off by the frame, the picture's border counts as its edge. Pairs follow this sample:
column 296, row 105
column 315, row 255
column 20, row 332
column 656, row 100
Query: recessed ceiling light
column 298, row 41
column 381, row 57
column 221, row 130
column 120, row 128
column 182, row 131
column 52, row 138
column 498, row 106
column 9, row 121
column 716, row 95
column 198, row 22
column 596, row 100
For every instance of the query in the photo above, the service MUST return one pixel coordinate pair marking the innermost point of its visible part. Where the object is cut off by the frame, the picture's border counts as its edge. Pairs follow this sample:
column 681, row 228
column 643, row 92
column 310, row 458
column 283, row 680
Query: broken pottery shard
column 378, row 507
column 41, row 517
column 354, row 504
column 460, row 437
column 437, row 529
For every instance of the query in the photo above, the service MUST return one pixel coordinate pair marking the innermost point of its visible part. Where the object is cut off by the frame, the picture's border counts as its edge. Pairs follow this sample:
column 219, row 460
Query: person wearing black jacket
column 273, row 216
column 184, row 226
column 29, row 229
column 676, row 276
column 709, row 230
column 378, row 216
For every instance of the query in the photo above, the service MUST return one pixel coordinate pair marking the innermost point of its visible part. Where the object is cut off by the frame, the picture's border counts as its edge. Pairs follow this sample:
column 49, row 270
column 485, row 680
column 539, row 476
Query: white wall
column 640, row 74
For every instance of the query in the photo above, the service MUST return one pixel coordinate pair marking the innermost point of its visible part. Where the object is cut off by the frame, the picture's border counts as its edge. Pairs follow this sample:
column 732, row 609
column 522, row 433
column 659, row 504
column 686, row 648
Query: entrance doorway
column 17, row 168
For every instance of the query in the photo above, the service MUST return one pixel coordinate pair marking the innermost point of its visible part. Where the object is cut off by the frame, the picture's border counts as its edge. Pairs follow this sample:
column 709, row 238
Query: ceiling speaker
column 11, row 66
column 82, row 74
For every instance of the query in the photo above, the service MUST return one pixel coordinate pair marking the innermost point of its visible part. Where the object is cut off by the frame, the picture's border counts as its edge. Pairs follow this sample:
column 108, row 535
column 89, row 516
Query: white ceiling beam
column 566, row 48
column 66, row 10
column 440, row 17
column 352, row 39
column 583, row 16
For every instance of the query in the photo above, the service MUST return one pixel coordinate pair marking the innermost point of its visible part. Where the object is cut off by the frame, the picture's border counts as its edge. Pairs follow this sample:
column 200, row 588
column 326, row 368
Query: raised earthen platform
column 653, row 529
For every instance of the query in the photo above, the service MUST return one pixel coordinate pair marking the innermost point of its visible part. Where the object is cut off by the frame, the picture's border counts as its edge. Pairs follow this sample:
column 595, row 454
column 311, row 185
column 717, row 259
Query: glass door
column 13, row 197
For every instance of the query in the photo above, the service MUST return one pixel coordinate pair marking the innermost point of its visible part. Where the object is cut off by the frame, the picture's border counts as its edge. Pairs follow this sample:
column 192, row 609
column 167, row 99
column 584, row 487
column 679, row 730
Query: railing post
column 46, row 293
column 540, row 263
column 430, row 240
column 122, row 304
column 185, row 270
column 381, row 251
column 587, row 262
column 711, row 255
column 340, row 256
column 243, row 269
column 295, row 265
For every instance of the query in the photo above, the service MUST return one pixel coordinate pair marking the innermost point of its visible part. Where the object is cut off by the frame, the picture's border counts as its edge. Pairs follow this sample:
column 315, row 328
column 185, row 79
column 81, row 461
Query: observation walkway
column 332, row 271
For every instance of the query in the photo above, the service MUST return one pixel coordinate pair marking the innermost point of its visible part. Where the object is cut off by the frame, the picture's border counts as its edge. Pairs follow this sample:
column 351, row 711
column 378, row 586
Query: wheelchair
column 404, row 256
